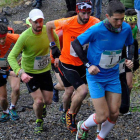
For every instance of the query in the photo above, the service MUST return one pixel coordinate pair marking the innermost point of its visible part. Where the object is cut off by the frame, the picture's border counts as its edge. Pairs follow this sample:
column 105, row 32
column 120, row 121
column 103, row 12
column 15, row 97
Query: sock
column 89, row 122
column 105, row 129
column 11, row 106
column 6, row 111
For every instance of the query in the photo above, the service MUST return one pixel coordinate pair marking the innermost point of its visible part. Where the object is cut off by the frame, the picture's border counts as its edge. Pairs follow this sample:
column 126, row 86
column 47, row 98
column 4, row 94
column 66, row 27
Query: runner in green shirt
column 35, row 64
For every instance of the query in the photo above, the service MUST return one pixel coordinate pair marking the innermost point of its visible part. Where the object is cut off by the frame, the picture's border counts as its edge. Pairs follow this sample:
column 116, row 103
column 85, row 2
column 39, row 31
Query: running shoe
column 63, row 118
column 61, row 107
column 70, row 122
column 39, row 126
column 55, row 94
column 44, row 111
column 81, row 134
column 13, row 114
column 4, row 117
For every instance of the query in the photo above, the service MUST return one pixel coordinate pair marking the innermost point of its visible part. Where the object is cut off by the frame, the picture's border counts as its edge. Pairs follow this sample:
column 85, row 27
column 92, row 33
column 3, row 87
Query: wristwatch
column 52, row 44
column 87, row 65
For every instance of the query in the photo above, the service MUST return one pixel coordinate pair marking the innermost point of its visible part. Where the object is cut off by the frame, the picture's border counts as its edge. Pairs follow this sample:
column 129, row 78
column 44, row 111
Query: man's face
column 116, row 20
column 132, row 25
column 37, row 25
column 2, row 40
column 83, row 17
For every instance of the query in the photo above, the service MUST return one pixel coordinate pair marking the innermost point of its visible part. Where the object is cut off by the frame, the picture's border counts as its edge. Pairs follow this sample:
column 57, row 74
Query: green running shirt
column 31, row 46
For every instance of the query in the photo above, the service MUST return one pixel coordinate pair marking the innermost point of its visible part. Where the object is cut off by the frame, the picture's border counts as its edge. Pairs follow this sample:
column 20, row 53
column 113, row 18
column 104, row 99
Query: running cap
column 83, row 5
column 28, row 22
column 36, row 14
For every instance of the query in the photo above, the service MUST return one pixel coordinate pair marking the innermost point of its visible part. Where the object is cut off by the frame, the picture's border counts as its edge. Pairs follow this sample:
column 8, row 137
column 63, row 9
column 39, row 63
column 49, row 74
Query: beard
column 84, row 21
column 38, row 29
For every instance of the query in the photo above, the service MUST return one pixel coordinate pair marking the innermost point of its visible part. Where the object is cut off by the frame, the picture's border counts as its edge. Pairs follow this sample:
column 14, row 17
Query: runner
column 35, row 64
column 72, row 70
column 131, row 53
column 59, row 86
column 7, row 42
column 106, row 40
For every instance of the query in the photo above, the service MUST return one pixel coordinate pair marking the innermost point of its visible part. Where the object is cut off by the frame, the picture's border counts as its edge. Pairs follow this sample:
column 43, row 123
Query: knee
column 38, row 102
column 48, row 102
column 3, row 99
column 102, row 117
column 15, row 89
column 83, row 92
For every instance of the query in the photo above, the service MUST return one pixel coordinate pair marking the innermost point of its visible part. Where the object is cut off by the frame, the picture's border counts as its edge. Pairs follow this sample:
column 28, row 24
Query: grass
column 10, row 3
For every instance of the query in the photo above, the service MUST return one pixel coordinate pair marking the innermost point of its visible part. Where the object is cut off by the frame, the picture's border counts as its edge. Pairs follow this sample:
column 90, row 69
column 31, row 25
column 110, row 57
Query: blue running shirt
column 103, row 43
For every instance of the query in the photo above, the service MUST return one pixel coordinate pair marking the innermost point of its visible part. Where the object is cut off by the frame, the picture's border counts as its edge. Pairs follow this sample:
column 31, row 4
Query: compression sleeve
column 79, row 51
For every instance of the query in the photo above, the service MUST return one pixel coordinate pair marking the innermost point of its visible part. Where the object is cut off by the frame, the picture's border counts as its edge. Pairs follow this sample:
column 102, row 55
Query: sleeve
column 60, row 23
column 87, row 36
column 129, row 39
column 12, row 57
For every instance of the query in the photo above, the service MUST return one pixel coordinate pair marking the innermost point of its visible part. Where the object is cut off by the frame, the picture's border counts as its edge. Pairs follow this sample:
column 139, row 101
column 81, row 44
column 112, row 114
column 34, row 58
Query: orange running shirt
column 71, row 29
column 7, row 47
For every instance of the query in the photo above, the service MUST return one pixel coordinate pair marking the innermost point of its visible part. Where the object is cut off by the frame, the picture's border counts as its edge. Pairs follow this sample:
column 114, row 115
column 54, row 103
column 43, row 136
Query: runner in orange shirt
column 72, row 69
column 7, row 42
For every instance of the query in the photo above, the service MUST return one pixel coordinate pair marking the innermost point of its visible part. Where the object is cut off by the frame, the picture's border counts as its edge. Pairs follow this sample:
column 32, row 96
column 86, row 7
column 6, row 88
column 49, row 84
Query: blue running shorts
column 98, row 87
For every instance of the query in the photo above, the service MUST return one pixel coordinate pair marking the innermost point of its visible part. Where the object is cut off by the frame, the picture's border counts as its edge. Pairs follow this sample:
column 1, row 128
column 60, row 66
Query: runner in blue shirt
column 106, row 40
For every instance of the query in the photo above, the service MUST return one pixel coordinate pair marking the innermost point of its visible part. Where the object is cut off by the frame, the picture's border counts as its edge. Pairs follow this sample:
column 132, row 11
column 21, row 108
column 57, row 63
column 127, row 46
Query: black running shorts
column 42, row 81
column 3, row 81
column 72, row 75
column 54, row 68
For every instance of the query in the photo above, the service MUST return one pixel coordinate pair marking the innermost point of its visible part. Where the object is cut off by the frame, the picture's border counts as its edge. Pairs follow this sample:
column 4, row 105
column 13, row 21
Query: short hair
column 70, row 14
column 3, row 28
column 115, row 6
column 130, row 12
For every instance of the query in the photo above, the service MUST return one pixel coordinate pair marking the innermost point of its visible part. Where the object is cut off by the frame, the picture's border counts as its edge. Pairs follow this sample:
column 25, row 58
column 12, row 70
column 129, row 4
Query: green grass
column 9, row 2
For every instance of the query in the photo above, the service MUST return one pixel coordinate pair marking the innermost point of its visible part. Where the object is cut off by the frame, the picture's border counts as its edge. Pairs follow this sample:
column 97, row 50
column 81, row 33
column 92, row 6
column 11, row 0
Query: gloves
column 55, row 52
column 4, row 72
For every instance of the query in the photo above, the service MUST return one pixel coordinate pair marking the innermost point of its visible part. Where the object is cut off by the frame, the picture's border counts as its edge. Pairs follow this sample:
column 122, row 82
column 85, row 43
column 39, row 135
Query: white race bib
column 110, row 58
column 41, row 62
column 3, row 62
column 122, row 66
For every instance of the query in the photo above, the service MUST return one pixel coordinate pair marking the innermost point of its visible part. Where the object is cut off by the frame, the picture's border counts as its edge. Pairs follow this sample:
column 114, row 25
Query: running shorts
column 54, row 68
column 42, row 81
column 97, row 88
column 72, row 75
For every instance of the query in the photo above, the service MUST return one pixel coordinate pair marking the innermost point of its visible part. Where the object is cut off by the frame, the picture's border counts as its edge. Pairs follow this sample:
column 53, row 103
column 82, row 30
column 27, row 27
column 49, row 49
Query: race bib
column 122, row 66
column 110, row 58
column 72, row 51
column 4, row 62
column 41, row 62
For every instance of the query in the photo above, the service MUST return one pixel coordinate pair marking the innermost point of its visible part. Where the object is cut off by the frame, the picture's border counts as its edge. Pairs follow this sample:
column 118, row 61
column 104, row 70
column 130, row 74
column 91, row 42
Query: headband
column 3, row 35
column 83, row 6
column 130, row 19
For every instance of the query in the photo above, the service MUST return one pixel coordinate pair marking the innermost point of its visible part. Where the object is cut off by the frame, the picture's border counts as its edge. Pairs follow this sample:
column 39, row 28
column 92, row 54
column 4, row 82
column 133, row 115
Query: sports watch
column 52, row 44
column 87, row 65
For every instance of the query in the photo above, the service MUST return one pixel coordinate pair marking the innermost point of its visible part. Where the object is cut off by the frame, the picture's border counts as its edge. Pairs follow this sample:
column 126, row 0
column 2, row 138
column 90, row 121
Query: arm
column 49, row 27
column 80, row 52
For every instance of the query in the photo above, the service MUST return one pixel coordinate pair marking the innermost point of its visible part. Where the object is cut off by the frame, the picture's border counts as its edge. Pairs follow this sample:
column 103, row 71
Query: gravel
column 127, row 127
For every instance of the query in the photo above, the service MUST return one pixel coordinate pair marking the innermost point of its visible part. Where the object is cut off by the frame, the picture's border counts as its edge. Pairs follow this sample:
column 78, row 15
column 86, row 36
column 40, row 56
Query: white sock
column 11, row 106
column 105, row 129
column 89, row 122
column 6, row 111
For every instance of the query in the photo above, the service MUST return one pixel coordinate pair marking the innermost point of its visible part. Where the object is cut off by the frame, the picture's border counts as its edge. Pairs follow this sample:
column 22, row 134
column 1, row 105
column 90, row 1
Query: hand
column 55, row 52
column 25, row 77
column 93, row 70
column 56, row 62
column 129, row 63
